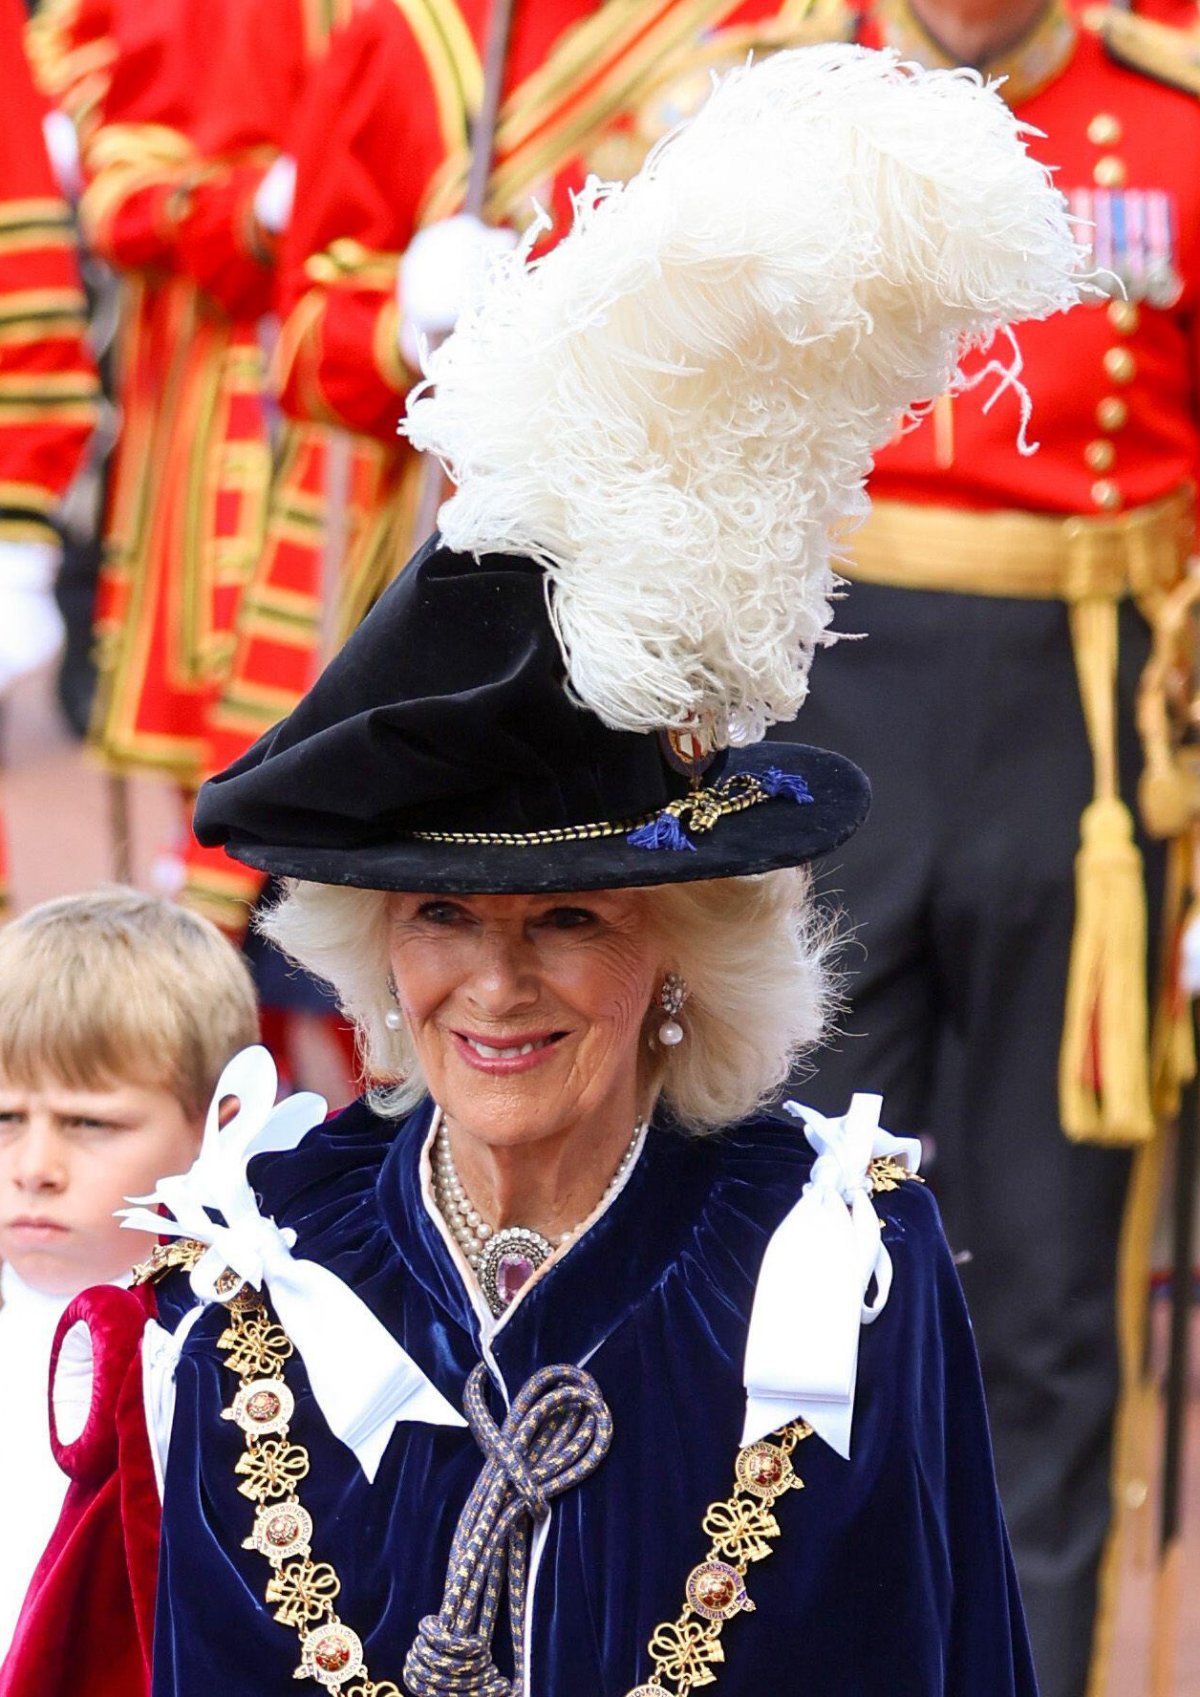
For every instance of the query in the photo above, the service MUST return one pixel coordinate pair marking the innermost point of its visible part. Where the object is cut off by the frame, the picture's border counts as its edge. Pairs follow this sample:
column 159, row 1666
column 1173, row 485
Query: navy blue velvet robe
column 892, row 1576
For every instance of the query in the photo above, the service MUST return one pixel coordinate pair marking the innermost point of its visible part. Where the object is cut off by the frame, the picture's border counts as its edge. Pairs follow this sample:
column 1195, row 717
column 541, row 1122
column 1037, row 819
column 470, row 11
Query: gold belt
column 1027, row 555
column 1091, row 564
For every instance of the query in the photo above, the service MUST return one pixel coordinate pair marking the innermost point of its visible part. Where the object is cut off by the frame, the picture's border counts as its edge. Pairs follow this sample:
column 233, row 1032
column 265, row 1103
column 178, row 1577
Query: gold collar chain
column 304, row 1591
column 683, row 1652
column 1029, row 67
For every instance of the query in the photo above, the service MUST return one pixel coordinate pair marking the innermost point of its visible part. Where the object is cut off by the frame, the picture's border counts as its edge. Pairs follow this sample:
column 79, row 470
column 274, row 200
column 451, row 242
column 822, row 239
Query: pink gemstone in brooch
column 510, row 1260
column 513, row 1272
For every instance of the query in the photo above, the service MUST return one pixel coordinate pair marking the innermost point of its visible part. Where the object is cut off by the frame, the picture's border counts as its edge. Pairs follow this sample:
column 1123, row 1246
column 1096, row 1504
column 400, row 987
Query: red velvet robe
column 87, row 1627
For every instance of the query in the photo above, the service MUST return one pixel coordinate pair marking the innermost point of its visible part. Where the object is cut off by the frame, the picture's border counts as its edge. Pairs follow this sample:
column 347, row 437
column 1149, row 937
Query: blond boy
column 117, row 1013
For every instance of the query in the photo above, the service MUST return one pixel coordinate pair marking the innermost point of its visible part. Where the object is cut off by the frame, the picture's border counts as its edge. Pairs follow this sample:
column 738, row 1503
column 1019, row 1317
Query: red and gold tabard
column 181, row 107
column 48, row 383
column 48, row 386
column 382, row 150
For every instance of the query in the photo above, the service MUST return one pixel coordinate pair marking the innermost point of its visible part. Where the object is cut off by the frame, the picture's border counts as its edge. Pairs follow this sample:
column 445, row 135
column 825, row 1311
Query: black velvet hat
column 440, row 750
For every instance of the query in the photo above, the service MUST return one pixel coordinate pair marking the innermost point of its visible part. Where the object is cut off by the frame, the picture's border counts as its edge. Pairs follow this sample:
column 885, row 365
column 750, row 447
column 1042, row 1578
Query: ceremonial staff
column 1169, row 722
column 1170, row 1548
column 483, row 144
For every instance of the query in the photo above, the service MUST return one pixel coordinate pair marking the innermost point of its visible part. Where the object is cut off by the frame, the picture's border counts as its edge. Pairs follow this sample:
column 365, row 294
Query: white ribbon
column 364, row 1383
column 802, row 1351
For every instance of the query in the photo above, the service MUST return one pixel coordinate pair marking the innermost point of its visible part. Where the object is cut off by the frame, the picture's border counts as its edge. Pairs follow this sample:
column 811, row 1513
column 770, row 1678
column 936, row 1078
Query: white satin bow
column 802, row 1350
column 363, row 1382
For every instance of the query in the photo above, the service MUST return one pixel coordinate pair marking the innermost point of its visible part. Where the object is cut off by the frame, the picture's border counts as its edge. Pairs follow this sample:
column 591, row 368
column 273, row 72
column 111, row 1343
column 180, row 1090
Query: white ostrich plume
column 676, row 407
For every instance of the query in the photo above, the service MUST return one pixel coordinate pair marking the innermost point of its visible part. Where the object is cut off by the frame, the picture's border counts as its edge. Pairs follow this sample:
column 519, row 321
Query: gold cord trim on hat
column 700, row 808
column 532, row 839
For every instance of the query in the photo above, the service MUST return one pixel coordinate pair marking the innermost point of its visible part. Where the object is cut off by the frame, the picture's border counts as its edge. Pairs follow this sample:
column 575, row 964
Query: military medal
column 1164, row 285
column 1131, row 235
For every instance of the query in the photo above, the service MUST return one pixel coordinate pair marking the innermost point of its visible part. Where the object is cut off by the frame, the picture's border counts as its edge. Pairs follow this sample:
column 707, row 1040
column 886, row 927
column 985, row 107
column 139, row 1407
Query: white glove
column 31, row 626
column 276, row 195
column 1189, row 957
column 62, row 144
column 442, row 267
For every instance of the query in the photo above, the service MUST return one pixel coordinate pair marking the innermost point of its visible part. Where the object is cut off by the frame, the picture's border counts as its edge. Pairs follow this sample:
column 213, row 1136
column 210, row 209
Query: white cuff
column 74, row 1379
column 440, row 273
column 275, row 196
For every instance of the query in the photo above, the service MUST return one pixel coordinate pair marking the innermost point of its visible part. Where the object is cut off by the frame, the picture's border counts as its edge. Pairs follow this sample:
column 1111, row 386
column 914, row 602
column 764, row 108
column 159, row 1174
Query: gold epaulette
column 164, row 1258
column 887, row 1173
column 1167, row 54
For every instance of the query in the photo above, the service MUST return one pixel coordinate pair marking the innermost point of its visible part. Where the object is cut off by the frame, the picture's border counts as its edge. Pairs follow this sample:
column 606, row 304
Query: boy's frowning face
column 68, row 1158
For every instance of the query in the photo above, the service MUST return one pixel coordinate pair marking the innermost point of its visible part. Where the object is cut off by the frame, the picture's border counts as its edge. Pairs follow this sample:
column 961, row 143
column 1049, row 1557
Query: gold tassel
column 1104, row 1084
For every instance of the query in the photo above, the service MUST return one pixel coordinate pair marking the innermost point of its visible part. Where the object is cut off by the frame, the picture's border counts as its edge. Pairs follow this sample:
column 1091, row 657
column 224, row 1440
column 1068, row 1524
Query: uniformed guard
column 48, row 386
column 182, row 109
column 1006, row 897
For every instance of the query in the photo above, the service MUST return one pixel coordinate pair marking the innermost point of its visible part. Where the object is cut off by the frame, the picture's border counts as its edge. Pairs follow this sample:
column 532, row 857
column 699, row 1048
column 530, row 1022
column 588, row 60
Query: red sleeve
column 368, row 143
column 197, row 99
column 47, row 378
column 88, row 1622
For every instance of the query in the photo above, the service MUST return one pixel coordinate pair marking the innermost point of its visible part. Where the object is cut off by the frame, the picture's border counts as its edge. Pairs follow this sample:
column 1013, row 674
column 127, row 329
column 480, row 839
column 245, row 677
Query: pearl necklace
column 507, row 1259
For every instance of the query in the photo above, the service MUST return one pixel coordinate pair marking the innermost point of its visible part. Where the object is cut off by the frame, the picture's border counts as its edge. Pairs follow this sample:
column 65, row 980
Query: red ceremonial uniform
column 382, row 151
column 181, row 108
column 1006, row 899
column 48, row 386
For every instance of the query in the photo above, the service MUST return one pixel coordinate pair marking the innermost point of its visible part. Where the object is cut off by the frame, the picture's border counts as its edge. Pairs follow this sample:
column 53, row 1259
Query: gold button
column 1112, row 413
column 1100, row 454
column 1104, row 130
column 1109, row 172
column 1120, row 365
column 1106, row 495
column 1123, row 316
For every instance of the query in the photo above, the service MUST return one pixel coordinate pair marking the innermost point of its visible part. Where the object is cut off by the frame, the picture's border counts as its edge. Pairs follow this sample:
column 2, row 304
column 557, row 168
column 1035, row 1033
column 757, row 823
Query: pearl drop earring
column 393, row 1018
column 671, row 997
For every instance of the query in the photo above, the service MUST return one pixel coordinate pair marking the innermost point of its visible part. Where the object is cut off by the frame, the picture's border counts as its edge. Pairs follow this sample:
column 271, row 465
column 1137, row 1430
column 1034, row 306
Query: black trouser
column 964, row 712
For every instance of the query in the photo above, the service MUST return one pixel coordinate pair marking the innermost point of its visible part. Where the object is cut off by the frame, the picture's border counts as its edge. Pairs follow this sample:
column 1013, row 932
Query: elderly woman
column 504, row 1382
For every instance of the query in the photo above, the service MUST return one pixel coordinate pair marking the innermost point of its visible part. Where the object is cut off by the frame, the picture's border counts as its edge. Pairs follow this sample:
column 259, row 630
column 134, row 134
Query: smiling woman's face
column 526, row 1011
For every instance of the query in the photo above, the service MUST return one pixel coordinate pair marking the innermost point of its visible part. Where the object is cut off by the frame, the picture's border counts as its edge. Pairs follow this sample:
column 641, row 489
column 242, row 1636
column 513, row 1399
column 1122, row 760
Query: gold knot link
column 271, row 1469
column 740, row 1529
column 256, row 1348
column 685, row 1650
column 304, row 1590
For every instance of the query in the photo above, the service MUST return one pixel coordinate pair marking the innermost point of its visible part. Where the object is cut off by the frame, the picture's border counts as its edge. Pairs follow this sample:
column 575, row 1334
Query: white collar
column 31, row 1309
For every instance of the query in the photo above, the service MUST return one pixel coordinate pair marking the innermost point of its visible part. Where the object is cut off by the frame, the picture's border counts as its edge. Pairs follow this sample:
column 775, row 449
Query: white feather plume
column 676, row 406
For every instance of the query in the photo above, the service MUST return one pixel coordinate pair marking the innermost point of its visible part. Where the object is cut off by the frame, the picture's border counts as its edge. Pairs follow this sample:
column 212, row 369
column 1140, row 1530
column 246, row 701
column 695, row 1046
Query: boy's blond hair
column 115, row 987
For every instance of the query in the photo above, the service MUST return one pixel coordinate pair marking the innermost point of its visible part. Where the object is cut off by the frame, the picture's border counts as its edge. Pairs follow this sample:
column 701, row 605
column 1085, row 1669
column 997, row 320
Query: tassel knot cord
column 556, row 1433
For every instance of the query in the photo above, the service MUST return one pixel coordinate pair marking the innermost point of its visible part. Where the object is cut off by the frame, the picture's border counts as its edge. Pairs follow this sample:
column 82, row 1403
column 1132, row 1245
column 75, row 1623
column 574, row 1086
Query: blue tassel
column 791, row 784
column 665, row 832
